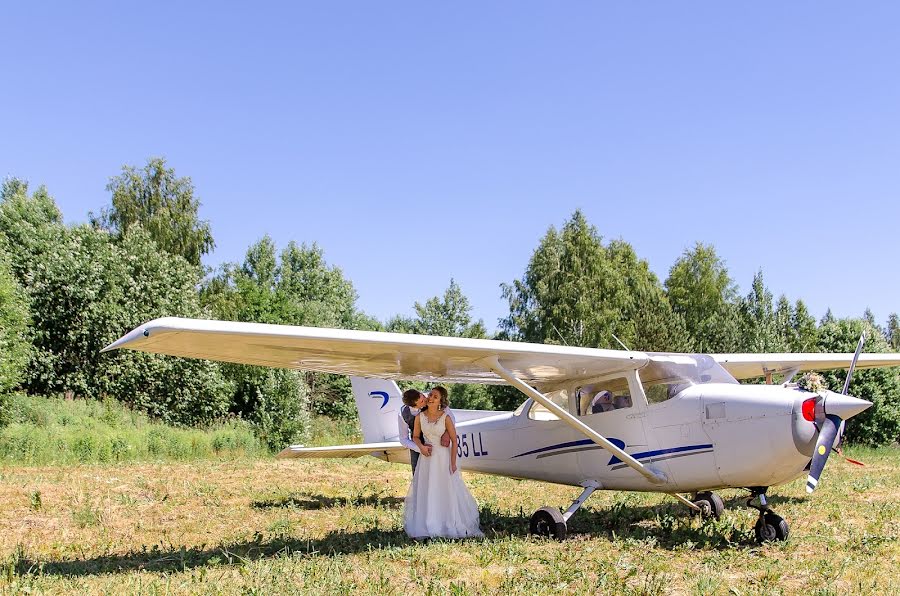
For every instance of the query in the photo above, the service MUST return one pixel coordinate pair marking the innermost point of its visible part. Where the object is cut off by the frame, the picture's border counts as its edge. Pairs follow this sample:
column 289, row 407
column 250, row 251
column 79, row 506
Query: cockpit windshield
column 694, row 369
column 667, row 375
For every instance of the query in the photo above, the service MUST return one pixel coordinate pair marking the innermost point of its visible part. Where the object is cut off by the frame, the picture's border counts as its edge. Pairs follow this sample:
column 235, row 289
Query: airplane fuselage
column 708, row 436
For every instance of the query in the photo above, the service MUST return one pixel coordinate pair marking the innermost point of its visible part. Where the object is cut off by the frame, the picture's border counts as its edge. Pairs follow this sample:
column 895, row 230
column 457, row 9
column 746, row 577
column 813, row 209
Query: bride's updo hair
column 442, row 391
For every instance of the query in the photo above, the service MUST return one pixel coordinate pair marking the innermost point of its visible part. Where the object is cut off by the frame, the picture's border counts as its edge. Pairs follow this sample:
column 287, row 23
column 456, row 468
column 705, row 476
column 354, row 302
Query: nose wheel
column 770, row 526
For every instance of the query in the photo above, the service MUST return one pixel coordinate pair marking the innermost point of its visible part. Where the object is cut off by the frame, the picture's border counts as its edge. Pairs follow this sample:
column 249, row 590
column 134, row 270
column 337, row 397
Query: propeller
column 837, row 407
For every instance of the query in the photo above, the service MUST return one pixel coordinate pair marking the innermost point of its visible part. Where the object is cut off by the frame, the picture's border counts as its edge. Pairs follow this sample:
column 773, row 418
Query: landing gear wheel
column 548, row 521
column 710, row 504
column 771, row 527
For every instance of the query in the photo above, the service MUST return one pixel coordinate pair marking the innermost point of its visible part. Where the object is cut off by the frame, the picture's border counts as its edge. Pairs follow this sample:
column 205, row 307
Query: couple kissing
column 438, row 503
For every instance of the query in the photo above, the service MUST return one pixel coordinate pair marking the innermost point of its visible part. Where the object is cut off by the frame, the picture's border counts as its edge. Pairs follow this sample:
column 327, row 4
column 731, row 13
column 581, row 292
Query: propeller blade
column 859, row 346
column 833, row 427
column 827, row 435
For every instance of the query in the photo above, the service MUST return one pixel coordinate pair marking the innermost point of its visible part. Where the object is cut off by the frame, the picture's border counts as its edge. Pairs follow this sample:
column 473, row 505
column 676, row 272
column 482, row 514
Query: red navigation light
column 809, row 409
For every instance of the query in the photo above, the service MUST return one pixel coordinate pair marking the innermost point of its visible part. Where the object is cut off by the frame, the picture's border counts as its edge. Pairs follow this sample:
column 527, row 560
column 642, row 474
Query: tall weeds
column 45, row 430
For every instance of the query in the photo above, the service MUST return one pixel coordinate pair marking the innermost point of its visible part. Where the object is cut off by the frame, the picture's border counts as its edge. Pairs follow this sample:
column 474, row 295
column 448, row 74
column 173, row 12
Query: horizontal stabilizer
column 380, row 450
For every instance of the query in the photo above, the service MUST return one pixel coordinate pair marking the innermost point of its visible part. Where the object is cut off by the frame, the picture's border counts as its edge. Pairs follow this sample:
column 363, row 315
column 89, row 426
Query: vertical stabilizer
column 378, row 402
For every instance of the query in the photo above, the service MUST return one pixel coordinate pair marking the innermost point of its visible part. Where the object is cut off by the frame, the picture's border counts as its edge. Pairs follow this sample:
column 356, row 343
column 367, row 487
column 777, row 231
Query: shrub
column 275, row 401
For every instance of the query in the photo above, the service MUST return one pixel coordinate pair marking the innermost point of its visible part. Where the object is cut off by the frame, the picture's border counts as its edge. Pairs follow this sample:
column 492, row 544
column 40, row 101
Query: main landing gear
column 549, row 522
column 709, row 504
column 770, row 526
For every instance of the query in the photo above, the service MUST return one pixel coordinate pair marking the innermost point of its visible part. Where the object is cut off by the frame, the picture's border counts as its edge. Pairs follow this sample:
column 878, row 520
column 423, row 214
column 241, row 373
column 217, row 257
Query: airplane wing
column 373, row 353
column 375, row 449
column 746, row 366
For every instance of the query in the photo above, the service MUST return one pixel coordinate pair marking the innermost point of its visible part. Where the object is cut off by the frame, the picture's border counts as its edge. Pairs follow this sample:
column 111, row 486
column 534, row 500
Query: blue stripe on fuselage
column 621, row 445
column 647, row 454
column 617, row 442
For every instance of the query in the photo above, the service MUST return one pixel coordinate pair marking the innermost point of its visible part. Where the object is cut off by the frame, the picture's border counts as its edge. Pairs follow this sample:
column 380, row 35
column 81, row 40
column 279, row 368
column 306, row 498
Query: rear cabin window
column 603, row 396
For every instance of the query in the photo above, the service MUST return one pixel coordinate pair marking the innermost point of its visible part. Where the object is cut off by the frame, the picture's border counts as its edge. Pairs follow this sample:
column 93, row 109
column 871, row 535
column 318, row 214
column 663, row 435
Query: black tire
column 771, row 527
column 548, row 521
column 710, row 504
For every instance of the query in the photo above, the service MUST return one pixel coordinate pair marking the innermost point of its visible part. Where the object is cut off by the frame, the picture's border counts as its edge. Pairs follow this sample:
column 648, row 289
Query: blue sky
column 416, row 142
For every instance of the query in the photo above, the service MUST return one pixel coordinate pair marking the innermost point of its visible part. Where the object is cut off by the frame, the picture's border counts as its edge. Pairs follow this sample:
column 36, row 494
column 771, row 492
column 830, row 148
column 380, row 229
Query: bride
column 438, row 503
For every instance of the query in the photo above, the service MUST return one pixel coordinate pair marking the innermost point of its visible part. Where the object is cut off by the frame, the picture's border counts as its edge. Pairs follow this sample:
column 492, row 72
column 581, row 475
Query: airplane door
column 622, row 428
column 607, row 407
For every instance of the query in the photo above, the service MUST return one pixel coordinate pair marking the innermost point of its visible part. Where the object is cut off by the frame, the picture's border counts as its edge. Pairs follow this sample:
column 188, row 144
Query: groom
column 413, row 402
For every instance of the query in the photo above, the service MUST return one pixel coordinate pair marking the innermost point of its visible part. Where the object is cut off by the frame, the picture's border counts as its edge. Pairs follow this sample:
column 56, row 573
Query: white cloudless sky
column 415, row 142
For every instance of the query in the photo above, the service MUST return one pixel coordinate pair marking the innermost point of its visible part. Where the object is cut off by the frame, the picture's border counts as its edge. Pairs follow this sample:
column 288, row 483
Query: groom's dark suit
column 410, row 419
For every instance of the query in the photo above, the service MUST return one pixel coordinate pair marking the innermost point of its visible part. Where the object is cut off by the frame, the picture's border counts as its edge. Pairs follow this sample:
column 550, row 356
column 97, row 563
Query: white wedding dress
column 438, row 503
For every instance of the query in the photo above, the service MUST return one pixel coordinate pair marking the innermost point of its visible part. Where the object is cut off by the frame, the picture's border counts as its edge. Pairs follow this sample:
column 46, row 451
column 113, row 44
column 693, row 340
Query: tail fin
column 378, row 402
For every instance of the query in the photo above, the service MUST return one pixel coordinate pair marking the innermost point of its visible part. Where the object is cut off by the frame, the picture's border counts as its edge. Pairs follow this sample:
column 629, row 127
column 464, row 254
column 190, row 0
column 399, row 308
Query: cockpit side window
column 660, row 392
column 603, row 396
column 539, row 412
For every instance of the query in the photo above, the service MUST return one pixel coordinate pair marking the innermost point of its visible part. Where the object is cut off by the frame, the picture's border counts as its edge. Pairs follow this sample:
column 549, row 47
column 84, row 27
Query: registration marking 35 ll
column 462, row 445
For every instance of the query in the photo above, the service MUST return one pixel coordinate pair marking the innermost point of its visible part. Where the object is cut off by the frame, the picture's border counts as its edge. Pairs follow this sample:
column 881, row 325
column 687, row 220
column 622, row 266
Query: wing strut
column 653, row 476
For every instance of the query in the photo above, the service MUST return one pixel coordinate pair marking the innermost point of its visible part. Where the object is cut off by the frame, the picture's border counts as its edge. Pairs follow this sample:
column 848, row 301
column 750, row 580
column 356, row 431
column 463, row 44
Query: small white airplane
column 592, row 418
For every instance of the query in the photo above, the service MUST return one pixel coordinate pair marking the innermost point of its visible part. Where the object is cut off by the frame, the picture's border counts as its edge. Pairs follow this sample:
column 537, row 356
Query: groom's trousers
column 413, row 459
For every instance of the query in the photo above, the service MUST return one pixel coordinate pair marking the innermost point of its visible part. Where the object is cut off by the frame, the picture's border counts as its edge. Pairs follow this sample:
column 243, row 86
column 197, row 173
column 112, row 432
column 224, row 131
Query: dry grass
column 260, row 526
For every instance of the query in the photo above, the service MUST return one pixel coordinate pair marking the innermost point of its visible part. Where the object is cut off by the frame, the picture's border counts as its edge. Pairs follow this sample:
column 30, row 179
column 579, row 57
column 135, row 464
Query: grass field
column 261, row 526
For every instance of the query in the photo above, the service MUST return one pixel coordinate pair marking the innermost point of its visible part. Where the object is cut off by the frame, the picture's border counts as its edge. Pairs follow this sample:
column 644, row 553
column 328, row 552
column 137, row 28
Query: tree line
column 66, row 291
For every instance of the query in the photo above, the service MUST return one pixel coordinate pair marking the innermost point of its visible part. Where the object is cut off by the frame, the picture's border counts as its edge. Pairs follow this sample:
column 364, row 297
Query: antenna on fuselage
column 559, row 334
column 624, row 347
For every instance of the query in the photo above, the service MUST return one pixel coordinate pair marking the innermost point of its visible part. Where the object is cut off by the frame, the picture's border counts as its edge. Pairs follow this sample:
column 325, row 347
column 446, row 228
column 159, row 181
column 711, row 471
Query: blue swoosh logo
column 381, row 394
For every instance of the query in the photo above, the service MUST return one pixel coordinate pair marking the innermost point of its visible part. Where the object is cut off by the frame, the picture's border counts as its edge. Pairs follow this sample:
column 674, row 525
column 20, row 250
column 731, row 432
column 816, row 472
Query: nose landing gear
column 770, row 526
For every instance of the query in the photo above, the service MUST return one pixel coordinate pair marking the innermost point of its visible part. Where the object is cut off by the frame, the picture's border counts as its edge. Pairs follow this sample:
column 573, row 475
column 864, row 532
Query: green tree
column 84, row 291
column 869, row 317
column 14, row 345
column 295, row 287
column 880, row 424
column 784, row 322
column 805, row 334
column 892, row 331
column 701, row 291
column 29, row 225
column 449, row 315
column 578, row 292
column 314, row 293
column 759, row 328
column 163, row 204
column 654, row 325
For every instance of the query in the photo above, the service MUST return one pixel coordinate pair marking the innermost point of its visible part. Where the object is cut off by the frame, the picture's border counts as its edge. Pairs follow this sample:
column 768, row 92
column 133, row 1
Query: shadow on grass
column 311, row 502
column 666, row 525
